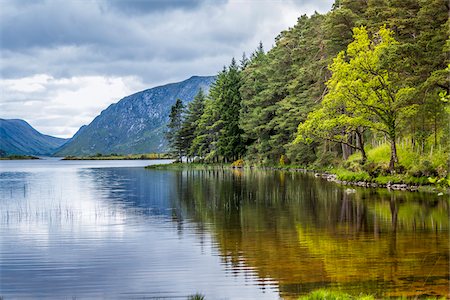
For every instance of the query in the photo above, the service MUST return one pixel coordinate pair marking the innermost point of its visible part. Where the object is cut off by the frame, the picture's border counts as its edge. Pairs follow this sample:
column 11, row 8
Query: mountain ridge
column 136, row 123
column 18, row 137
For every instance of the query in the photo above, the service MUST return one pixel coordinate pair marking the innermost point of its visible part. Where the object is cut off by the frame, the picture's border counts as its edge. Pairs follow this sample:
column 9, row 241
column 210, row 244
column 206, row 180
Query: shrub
column 284, row 160
column 238, row 163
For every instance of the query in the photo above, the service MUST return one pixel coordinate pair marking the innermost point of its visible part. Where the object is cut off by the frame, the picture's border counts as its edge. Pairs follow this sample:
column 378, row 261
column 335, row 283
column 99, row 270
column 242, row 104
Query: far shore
column 150, row 156
column 19, row 157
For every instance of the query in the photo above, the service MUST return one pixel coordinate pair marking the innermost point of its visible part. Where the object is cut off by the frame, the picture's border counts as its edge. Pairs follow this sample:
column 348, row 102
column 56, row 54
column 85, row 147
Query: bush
column 284, row 160
column 238, row 163
column 325, row 159
column 373, row 169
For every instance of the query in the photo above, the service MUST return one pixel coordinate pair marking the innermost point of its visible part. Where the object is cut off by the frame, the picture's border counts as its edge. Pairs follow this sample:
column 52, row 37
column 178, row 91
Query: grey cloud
column 155, row 41
column 150, row 6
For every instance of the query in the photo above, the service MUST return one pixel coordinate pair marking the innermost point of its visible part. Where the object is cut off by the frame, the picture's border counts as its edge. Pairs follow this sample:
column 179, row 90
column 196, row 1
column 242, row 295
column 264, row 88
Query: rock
column 350, row 191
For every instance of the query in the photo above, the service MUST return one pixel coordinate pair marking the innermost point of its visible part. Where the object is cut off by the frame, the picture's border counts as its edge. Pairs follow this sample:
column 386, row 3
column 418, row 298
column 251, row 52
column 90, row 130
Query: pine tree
column 190, row 123
column 174, row 126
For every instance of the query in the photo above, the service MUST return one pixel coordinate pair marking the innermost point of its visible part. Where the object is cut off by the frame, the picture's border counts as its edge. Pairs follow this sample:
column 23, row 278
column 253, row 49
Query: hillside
column 18, row 137
column 135, row 124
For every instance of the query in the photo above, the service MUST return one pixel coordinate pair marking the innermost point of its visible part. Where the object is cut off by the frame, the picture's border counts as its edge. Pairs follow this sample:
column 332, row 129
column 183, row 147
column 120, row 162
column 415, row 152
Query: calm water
column 111, row 229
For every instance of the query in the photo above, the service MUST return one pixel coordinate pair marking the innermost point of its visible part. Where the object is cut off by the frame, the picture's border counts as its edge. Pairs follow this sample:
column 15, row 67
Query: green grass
column 413, row 168
column 347, row 175
column 407, row 157
column 325, row 294
column 197, row 296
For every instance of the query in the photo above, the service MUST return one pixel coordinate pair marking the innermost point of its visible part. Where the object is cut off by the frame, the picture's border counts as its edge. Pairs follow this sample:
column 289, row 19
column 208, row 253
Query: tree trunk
column 345, row 151
column 360, row 144
column 394, row 158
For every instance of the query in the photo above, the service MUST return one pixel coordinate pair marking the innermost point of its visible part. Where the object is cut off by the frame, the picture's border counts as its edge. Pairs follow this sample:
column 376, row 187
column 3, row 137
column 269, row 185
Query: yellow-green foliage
column 238, row 163
column 346, row 175
column 283, row 160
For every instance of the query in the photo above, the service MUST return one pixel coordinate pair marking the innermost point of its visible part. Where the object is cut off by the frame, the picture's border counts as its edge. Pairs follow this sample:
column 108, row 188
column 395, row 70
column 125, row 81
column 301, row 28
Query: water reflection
column 105, row 233
column 133, row 233
column 301, row 233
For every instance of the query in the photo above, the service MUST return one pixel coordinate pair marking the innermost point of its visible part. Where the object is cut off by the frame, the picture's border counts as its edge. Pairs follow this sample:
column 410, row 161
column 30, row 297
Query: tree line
column 364, row 74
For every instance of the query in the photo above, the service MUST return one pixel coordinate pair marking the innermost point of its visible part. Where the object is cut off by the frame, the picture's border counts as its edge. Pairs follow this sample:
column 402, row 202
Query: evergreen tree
column 190, row 123
column 174, row 126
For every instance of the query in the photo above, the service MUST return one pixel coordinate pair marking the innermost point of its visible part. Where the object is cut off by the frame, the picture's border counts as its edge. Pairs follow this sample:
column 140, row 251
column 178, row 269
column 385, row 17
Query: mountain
column 135, row 124
column 18, row 137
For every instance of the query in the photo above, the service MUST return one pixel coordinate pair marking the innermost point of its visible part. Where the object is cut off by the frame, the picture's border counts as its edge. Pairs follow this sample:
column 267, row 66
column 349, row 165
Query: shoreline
column 320, row 174
column 117, row 157
column 19, row 157
column 112, row 158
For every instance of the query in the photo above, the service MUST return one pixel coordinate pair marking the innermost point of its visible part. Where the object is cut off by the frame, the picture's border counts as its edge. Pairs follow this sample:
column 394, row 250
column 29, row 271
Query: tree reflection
column 300, row 233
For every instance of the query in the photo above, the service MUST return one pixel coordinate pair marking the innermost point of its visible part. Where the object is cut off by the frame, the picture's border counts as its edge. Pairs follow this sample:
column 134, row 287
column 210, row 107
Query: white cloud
column 61, row 105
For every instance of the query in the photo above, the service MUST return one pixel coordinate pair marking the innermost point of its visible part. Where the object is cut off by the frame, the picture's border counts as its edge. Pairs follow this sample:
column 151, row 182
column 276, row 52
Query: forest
column 363, row 89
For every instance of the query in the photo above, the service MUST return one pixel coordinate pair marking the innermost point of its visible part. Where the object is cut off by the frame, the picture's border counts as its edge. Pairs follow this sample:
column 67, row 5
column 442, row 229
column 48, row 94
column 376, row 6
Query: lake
column 112, row 229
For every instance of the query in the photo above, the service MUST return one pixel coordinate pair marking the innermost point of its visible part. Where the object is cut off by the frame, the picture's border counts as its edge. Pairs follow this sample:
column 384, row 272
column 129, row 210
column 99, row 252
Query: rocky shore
column 391, row 186
column 334, row 178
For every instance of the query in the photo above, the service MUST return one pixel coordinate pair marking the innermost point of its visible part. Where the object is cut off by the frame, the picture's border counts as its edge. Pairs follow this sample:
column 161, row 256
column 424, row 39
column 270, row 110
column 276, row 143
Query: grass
column 347, row 175
column 407, row 157
column 197, row 296
column 414, row 168
column 325, row 294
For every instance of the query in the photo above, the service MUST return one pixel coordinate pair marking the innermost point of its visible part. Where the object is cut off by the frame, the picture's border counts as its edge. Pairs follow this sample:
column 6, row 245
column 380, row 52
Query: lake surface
column 112, row 229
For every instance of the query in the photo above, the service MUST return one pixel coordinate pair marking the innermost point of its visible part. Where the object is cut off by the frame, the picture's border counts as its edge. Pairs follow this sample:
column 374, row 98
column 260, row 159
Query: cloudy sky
column 63, row 62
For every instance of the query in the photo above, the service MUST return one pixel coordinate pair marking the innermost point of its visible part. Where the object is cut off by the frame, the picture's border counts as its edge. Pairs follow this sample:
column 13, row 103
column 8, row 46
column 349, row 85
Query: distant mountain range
column 18, row 137
column 135, row 124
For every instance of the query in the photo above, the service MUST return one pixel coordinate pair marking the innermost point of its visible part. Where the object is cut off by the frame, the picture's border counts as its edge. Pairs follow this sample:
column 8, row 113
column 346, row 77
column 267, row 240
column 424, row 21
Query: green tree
column 210, row 124
column 254, row 81
column 230, row 144
column 190, row 123
column 363, row 80
column 332, row 122
column 174, row 126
